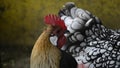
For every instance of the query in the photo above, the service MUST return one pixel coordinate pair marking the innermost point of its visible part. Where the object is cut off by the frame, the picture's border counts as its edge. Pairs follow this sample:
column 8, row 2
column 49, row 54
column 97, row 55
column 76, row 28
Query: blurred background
column 21, row 22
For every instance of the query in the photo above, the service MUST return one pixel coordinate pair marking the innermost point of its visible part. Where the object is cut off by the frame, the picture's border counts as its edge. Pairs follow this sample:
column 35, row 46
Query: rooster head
column 58, row 30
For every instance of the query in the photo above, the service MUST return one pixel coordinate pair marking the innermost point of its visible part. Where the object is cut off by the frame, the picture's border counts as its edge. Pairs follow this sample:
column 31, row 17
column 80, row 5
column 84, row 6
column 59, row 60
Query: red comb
column 54, row 20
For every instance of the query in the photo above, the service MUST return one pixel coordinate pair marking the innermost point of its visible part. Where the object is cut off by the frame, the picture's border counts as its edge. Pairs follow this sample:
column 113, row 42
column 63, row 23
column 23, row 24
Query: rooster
column 88, row 40
column 45, row 54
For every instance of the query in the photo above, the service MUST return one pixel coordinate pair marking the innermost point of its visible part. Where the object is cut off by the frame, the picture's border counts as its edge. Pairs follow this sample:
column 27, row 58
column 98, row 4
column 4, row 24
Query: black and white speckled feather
column 101, row 47
column 96, row 46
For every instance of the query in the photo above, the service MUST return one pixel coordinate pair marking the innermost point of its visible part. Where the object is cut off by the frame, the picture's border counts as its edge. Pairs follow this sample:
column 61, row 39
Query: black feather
column 67, row 61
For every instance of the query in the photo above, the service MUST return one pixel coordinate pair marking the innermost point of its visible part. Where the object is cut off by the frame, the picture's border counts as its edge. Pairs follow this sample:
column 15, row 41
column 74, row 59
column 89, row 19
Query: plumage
column 99, row 47
column 45, row 54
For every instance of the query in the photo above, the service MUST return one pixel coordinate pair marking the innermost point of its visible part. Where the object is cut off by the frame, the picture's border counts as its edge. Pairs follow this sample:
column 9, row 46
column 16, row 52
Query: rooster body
column 89, row 41
column 45, row 54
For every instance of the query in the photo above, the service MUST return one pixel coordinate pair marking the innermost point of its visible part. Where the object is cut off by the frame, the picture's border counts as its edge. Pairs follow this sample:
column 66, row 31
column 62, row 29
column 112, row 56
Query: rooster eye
column 58, row 31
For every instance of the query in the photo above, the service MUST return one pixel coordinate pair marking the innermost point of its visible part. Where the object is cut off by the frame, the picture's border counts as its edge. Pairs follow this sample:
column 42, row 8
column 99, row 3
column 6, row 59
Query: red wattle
column 61, row 41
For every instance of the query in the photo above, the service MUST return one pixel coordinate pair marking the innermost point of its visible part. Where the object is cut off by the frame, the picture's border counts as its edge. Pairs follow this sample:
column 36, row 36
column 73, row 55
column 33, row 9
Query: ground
column 15, row 56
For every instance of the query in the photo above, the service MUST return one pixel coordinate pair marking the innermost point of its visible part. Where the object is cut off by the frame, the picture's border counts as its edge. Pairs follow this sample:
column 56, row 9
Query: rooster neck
column 44, row 53
column 43, row 41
